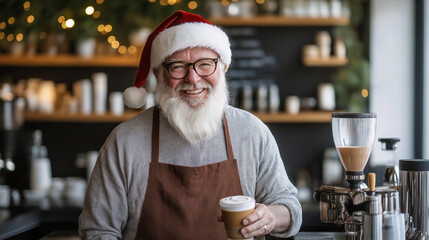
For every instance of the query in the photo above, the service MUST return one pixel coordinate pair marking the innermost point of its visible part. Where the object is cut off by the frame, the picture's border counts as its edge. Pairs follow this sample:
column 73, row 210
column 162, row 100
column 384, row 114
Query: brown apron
column 183, row 202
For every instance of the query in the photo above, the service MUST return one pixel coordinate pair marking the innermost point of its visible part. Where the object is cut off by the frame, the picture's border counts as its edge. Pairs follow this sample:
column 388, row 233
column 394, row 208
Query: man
column 161, row 174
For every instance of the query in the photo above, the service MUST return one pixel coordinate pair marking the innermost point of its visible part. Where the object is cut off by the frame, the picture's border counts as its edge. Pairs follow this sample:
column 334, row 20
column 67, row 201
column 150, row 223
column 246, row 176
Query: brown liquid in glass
column 354, row 159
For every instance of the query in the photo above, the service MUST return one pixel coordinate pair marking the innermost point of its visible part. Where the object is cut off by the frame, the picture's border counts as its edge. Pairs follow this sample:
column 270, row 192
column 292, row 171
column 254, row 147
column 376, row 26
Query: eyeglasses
column 203, row 67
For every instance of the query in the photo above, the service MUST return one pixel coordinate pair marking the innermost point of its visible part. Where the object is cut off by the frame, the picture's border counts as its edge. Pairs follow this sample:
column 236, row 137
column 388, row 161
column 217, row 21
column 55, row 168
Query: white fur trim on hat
column 134, row 97
column 188, row 35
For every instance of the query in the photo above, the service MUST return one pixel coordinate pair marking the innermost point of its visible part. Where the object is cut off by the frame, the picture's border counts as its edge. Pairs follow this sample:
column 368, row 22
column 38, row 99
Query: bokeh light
column 111, row 39
column 70, row 23
column 122, row 49
column 192, row 5
column 10, row 37
column 96, row 14
column 365, row 93
column 61, row 19
column 11, row 20
column 89, row 10
column 132, row 49
column 115, row 44
column 30, row 19
column 19, row 37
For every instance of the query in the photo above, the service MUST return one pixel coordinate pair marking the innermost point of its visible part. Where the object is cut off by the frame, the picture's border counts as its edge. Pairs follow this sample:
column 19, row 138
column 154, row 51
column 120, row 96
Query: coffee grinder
column 358, row 208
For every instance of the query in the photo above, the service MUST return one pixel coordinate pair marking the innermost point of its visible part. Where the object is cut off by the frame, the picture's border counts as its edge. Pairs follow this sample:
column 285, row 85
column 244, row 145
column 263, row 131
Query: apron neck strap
column 155, row 136
column 229, row 151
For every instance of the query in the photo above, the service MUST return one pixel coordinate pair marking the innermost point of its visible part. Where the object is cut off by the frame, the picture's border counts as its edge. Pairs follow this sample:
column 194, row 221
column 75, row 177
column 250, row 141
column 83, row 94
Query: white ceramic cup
column 100, row 92
column 326, row 96
column 116, row 103
column 292, row 104
column 4, row 196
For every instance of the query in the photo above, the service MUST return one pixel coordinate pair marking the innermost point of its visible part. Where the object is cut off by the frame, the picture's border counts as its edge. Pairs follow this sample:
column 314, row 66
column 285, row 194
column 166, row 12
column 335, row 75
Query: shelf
column 279, row 21
column 57, row 117
column 330, row 62
column 302, row 117
column 69, row 61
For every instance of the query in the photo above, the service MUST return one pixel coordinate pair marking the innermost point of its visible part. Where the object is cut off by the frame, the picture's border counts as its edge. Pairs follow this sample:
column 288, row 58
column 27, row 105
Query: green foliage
column 125, row 16
column 352, row 79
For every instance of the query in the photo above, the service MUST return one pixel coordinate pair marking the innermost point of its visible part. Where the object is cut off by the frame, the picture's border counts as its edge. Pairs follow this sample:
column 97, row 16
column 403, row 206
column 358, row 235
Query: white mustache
column 190, row 86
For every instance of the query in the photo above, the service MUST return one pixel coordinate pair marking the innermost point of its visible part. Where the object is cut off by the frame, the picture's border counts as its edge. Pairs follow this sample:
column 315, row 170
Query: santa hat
column 179, row 31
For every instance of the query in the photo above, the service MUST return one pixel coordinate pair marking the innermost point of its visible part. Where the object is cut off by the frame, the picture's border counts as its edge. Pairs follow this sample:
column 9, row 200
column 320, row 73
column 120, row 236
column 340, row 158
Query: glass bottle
column 389, row 147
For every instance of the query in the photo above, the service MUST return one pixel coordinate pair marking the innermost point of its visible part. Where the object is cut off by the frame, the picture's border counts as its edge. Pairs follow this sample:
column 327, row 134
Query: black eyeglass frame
column 167, row 66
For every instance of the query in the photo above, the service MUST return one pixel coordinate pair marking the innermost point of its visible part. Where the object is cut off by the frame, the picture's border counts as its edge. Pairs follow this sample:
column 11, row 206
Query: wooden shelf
column 57, row 117
column 279, row 21
column 69, row 61
column 330, row 62
column 281, row 117
column 302, row 117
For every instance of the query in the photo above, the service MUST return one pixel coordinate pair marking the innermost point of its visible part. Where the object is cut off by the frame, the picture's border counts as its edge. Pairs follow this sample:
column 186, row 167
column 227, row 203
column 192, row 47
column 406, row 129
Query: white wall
column 392, row 74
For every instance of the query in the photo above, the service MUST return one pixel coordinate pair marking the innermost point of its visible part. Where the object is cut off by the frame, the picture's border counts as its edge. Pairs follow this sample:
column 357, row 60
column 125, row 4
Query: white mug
column 4, row 196
column 292, row 104
column 326, row 96
column 116, row 103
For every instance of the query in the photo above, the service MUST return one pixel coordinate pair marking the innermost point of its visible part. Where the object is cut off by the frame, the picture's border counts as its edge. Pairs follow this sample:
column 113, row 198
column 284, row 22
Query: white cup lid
column 237, row 203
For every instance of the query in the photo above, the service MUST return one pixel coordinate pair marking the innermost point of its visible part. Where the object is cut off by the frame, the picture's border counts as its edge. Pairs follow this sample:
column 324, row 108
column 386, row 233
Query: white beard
column 196, row 119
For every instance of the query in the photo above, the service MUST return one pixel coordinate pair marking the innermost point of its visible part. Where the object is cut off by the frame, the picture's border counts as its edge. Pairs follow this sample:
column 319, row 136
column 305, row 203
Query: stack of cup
column 323, row 41
column 100, row 92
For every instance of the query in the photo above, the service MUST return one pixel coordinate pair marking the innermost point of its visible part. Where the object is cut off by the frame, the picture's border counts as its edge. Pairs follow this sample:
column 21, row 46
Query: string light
column 11, row 20
column 100, row 28
column 192, row 5
column 152, row 1
column 115, row 44
column 260, row 1
column 69, row 23
column 89, row 10
column 2, row 25
column 163, row 2
column 224, row 3
column 171, row 2
column 10, row 37
column 26, row 6
column 100, row 1
column 30, row 19
column 111, row 39
column 61, row 19
column 364, row 93
column 122, row 49
column 96, row 14
column 132, row 49
column 19, row 37
column 108, row 28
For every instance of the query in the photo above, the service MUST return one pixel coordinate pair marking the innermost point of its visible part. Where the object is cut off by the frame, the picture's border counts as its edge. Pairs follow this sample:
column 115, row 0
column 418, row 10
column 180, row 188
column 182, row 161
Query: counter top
column 15, row 222
column 47, row 217
column 37, row 222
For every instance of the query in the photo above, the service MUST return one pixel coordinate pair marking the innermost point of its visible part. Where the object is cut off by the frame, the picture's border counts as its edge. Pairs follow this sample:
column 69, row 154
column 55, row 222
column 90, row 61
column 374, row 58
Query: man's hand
column 266, row 219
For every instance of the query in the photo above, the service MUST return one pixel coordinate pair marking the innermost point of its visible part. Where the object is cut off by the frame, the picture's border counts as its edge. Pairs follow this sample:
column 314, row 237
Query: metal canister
column 414, row 196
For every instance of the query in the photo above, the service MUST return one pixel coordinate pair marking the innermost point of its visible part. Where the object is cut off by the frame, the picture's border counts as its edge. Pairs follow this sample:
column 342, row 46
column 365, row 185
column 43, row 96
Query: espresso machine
column 360, row 209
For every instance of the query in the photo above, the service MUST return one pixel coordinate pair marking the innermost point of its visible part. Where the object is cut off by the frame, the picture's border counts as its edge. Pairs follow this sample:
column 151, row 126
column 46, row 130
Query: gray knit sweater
column 117, row 187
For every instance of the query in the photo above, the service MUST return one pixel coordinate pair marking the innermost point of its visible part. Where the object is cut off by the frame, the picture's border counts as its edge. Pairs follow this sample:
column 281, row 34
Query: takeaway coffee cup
column 234, row 210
